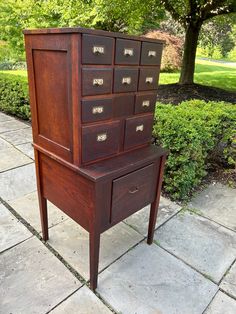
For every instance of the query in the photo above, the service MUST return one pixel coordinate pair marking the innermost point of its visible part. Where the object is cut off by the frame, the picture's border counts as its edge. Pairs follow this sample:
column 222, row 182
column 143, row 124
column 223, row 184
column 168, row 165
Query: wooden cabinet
column 92, row 97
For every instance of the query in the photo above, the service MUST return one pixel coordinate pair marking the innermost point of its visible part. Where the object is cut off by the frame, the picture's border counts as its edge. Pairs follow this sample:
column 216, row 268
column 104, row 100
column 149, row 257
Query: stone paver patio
column 190, row 269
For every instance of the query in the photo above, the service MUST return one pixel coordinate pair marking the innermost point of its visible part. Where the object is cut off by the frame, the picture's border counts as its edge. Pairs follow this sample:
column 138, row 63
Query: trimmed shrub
column 14, row 97
column 173, row 50
column 195, row 132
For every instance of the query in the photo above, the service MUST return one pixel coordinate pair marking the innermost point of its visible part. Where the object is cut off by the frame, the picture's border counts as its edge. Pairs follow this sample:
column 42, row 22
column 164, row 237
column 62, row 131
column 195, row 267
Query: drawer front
column 125, row 80
column 97, row 49
column 133, row 191
column 145, row 102
column 151, row 53
column 123, row 105
column 96, row 81
column 138, row 131
column 96, row 110
column 148, row 78
column 100, row 141
column 127, row 52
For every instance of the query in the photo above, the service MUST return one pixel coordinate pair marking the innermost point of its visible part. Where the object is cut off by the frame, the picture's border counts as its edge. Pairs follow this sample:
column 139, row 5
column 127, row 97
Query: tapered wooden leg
column 94, row 244
column 155, row 204
column 42, row 201
column 43, row 216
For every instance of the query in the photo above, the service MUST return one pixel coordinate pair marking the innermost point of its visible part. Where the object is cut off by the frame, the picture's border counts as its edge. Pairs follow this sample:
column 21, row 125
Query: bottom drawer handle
column 134, row 190
column 139, row 128
column 101, row 137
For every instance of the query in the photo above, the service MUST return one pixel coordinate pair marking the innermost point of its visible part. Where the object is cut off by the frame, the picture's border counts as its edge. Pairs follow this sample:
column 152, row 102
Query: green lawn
column 15, row 72
column 206, row 73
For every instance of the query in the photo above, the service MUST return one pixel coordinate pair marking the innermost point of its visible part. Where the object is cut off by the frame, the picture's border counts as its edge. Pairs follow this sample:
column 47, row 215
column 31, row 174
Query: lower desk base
column 102, row 194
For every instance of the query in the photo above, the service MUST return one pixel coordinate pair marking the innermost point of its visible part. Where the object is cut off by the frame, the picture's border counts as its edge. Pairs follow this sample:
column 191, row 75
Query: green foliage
column 193, row 132
column 14, row 97
column 132, row 16
column 217, row 37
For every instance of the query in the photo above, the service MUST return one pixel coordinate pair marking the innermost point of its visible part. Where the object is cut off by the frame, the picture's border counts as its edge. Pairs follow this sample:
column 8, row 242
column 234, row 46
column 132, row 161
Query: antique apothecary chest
column 92, row 96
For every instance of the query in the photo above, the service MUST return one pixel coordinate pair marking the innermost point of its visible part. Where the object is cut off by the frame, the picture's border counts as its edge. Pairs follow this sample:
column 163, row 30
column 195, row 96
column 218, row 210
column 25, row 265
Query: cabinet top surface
column 70, row 30
column 119, row 164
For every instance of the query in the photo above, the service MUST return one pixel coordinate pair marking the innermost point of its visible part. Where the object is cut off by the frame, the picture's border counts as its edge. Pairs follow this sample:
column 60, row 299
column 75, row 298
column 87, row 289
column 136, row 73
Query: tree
column 191, row 14
column 218, row 33
column 129, row 16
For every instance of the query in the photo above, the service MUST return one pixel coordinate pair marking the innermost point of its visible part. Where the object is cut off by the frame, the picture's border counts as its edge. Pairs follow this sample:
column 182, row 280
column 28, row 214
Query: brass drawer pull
column 98, row 82
column 152, row 53
column 140, row 128
column 149, row 80
column 128, row 52
column 98, row 50
column 134, row 190
column 97, row 110
column 126, row 80
column 146, row 103
column 101, row 137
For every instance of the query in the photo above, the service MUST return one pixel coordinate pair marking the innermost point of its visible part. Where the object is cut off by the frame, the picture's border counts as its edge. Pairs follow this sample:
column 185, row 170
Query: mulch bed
column 176, row 93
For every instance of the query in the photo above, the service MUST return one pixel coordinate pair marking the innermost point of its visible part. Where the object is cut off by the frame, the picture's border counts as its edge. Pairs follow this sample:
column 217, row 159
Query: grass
column 208, row 73
column 15, row 72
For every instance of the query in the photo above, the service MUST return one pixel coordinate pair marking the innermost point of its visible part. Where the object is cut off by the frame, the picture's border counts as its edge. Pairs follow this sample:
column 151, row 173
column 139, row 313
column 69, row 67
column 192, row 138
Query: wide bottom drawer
column 133, row 191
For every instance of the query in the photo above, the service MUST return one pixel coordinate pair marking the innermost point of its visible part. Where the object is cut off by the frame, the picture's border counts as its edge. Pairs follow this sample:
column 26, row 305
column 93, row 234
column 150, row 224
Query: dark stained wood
column 133, row 191
column 151, row 53
column 76, row 96
column 148, row 78
column 50, row 92
column 96, row 110
column 97, row 49
column 96, row 81
column 125, row 80
column 92, row 116
column 42, row 200
column 100, row 140
column 138, row 130
column 123, row 105
column 71, row 30
column 67, row 190
column 145, row 102
column 155, row 204
column 127, row 52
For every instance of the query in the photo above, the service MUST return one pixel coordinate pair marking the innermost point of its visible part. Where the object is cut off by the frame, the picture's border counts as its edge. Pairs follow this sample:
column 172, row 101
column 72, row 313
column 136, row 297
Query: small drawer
column 148, row 78
column 145, row 102
column 96, row 81
column 138, row 130
column 151, row 53
column 133, row 191
column 97, row 49
column 96, row 110
column 100, row 141
column 127, row 51
column 123, row 105
column 125, row 80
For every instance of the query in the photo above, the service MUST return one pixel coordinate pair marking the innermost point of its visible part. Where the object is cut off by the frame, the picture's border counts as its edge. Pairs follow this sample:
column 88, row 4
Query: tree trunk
column 190, row 48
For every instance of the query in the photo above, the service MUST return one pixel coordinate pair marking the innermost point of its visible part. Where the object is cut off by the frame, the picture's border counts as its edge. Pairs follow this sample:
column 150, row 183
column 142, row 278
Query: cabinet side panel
column 66, row 189
column 49, row 71
column 50, row 68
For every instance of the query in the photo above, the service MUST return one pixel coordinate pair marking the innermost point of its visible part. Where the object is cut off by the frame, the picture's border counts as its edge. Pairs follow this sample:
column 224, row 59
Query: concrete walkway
column 190, row 269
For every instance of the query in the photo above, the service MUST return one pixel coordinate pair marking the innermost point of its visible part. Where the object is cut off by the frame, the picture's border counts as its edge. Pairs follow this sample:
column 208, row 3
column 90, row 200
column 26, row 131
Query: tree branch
column 210, row 9
column 221, row 11
column 176, row 16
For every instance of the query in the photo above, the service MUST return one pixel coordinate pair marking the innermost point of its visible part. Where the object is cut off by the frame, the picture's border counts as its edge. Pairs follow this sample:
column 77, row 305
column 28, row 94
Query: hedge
column 198, row 134
column 14, row 97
